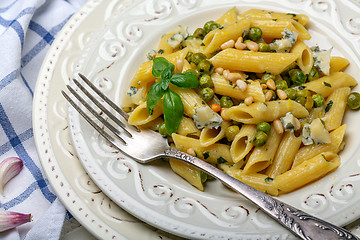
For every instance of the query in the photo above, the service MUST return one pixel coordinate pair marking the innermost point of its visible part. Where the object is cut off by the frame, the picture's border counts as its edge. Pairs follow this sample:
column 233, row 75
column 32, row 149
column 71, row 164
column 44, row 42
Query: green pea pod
column 185, row 80
column 173, row 111
column 160, row 65
column 155, row 94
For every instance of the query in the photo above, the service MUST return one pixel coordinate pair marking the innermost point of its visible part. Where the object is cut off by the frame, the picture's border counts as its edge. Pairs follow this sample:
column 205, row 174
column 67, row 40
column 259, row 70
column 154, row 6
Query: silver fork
column 145, row 146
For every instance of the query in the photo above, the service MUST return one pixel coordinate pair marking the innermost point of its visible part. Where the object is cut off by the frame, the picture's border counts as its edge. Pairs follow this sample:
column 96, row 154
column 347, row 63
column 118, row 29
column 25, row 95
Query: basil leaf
column 185, row 80
column 155, row 94
column 173, row 111
column 159, row 65
column 166, row 73
column 165, row 83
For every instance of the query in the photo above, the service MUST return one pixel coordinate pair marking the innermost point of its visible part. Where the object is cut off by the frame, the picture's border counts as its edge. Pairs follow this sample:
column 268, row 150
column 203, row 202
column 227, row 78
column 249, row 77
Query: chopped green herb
column 268, row 179
column 221, row 160
column 327, row 84
column 161, row 51
column 206, row 155
column 328, row 106
column 275, row 19
column 192, row 133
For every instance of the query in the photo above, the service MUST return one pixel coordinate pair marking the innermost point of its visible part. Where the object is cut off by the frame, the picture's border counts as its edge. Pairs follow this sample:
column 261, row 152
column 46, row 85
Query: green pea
column 281, row 84
column 197, row 58
column 266, row 77
column 291, row 93
column 260, row 139
column 210, row 25
column 353, row 100
column 194, row 71
column 162, row 129
column 264, row 47
column 318, row 100
column 273, row 97
column 205, row 67
column 207, row 94
column 226, row 102
column 264, row 127
column 301, row 100
column 199, row 33
column 255, row 33
column 314, row 74
column 297, row 76
column 206, row 81
column 231, row 132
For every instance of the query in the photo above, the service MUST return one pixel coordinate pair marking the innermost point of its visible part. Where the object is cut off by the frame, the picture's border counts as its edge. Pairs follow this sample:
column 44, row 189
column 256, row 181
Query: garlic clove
column 10, row 220
column 9, row 168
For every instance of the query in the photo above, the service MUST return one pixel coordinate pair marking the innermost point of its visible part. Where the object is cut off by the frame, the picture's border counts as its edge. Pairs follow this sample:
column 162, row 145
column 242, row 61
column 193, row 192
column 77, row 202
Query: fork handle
column 300, row 223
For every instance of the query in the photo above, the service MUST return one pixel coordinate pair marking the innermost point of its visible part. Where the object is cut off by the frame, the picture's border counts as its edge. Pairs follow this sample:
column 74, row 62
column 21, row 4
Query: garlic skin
column 9, row 168
column 10, row 220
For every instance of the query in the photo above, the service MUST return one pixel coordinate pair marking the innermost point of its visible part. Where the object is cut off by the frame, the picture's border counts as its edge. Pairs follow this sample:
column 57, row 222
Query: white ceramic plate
column 86, row 202
column 153, row 192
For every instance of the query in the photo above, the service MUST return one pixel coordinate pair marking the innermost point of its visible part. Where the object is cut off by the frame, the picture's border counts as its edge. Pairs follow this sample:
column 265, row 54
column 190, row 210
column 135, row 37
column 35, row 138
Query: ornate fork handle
column 300, row 223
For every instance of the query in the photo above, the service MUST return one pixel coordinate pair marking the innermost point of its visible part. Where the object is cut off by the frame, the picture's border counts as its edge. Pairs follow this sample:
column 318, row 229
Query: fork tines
column 95, row 113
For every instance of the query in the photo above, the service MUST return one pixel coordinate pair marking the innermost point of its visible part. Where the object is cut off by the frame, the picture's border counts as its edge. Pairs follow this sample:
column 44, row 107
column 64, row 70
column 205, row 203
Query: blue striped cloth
column 27, row 29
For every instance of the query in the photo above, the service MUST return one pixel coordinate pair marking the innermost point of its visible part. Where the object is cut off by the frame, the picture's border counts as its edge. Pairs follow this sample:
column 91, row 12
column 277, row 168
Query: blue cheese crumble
column 322, row 59
column 286, row 43
column 205, row 117
column 288, row 121
column 179, row 35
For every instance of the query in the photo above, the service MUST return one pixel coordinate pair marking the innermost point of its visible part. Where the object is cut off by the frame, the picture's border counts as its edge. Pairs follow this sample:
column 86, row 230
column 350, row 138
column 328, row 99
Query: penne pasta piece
column 143, row 76
column 258, row 181
column 275, row 29
column 305, row 60
column 153, row 125
column 188, row 172
column 262, row 157
column 327, row 84
column 258, row 13
column 338, row 64
column 135, row 96
column 334, row 116
column 307, row 171
column 265, row 112
column 213, row 154
column 140, row 115
column 214, row 39
column 258, row 62
column 242, row 144
column 310, row 151
column 229, row 17
column 187, row 128
column 210, row 136
column 191, row 100
column 223, row 87
column 285, row 154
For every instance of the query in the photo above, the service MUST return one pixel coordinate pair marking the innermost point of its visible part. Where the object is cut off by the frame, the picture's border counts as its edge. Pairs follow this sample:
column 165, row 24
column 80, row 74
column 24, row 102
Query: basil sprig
column 172, row 104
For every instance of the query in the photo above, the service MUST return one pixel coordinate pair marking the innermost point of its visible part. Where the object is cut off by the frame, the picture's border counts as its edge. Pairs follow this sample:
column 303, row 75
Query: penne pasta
column 305, row 60
column 229, row 17
column 188, row 172
column 265, row 112
column 140, row 116
column 327, row 84
column 334, row 116
column 258, row 13
column 275, row 29
column 242, row 144
column 307, row 171
column 310, row 151
column 210, row 136
column 285, row 154
column 258, row 62
column 256, row 180
column 338, row 64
